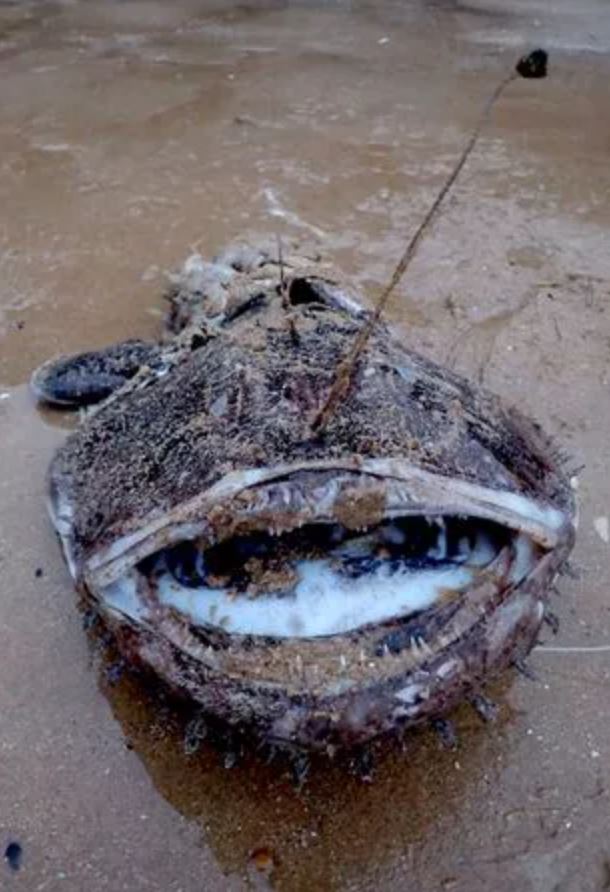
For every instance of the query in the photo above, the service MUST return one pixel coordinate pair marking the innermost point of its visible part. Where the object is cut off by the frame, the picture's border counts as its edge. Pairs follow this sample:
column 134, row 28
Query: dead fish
column 421, row 529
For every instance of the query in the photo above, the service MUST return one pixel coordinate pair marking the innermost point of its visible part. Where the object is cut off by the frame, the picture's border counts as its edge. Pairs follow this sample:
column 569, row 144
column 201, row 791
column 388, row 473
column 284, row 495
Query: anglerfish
column 318, row 586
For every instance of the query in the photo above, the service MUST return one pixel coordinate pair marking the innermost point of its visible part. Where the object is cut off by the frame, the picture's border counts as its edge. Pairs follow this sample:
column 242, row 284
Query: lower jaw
column 340, row 692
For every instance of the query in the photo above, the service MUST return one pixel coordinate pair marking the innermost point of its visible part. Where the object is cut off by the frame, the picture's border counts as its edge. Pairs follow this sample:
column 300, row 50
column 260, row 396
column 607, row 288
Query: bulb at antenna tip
column 534, row 65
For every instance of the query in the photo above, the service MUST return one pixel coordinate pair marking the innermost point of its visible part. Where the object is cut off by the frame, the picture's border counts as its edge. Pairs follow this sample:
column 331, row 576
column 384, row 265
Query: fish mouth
column 329, row 602
column 321, row 549
column 324, row 579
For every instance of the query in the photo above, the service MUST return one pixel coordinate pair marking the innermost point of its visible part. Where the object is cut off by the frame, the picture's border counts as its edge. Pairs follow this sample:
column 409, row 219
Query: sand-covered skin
column 133, row 131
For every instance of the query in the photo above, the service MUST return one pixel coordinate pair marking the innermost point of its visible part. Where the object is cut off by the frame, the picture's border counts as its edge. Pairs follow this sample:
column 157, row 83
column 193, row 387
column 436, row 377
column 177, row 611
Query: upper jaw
column 359, row 491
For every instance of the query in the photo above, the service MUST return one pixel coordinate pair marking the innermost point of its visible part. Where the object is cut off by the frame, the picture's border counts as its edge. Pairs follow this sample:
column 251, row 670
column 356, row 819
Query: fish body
column 321, row 587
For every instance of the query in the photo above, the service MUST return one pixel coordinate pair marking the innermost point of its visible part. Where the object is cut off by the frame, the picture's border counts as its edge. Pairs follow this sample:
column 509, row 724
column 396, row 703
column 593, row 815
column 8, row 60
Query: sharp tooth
column 200, row 564
column 443, row 544
column 464, row 549
column 413, row 645
column 424, row 646
column 439, row 551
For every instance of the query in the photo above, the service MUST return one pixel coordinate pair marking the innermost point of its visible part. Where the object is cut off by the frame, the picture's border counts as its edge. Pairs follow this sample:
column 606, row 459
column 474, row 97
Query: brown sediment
column 269, row 576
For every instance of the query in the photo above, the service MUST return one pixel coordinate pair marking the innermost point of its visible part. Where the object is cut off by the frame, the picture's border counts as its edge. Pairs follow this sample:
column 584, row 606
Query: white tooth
column 200, row 564
column 439, row 552
column 420, row 647
column 423, row 645
column 463, row 549
column 523, row 559
column 443, row 544
column 482, row 552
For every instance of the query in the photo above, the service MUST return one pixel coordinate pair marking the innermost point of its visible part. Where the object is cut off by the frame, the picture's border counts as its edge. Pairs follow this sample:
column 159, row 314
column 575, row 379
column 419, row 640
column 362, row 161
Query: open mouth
column 324, row 579
column 308, row 562
column 328, row 601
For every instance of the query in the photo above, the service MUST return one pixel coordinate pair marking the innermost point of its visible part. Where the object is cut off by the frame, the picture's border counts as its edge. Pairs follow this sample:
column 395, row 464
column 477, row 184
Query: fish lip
column 408, row 489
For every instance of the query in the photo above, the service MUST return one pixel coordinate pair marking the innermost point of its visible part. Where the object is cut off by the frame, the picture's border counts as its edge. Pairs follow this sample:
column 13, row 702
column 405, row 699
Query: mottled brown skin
column 241, row 392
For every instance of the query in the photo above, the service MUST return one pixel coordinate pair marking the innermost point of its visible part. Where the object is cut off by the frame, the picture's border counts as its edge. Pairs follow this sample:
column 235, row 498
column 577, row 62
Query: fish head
column 322, row 587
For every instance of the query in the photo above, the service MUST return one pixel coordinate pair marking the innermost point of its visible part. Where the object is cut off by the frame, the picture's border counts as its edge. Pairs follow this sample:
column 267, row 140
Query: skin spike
column 114, row 672
column 90, row 619
column 230, row 760
column 524, row 670
column 552, row 621
column 271, row 754
column 194, row 734
column 300, row 770
column 486, row 709
column 568, row 569
column 363, row 765
column 446, row 733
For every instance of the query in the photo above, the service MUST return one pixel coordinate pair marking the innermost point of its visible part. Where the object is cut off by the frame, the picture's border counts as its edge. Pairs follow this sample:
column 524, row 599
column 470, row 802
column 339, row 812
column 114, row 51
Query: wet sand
column 131, row 131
